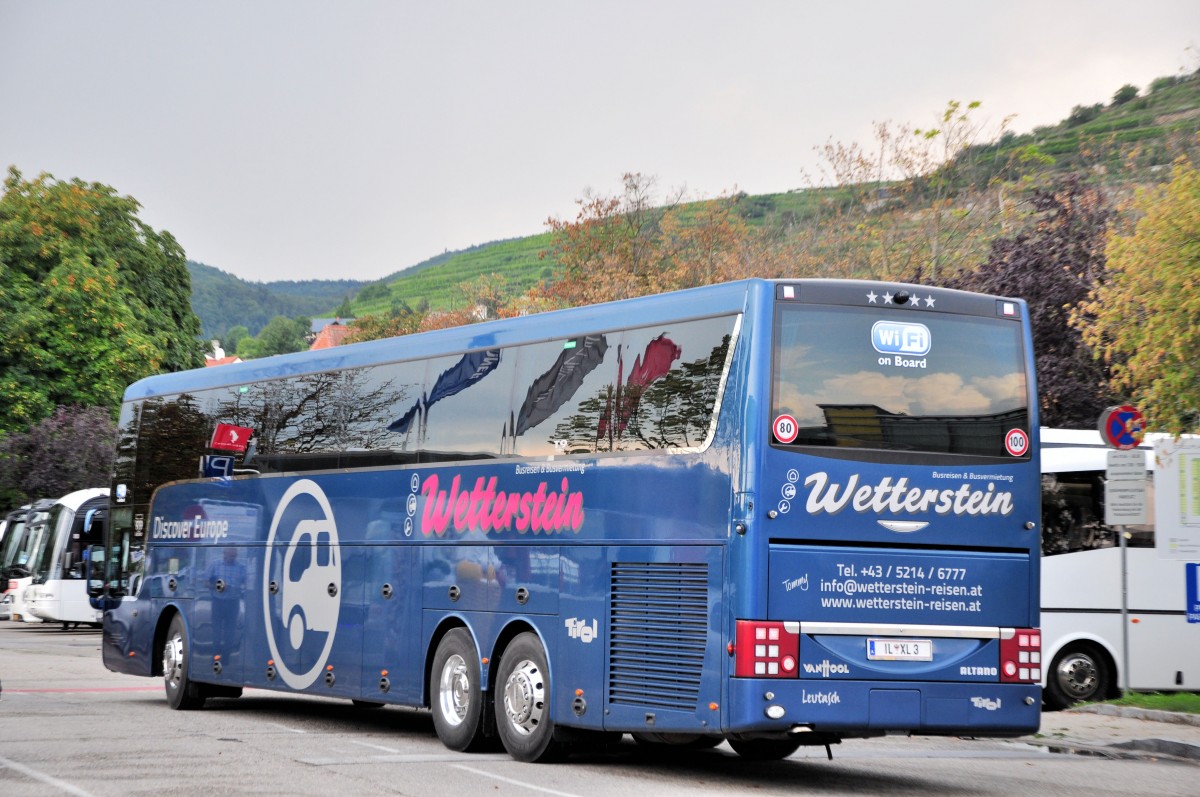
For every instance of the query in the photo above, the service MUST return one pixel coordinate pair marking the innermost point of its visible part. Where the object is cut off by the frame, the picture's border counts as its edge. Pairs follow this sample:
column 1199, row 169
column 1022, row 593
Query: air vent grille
column 658, row 621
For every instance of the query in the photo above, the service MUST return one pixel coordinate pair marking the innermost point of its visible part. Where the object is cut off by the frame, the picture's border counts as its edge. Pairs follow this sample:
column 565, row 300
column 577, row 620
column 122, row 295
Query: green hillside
column 1127, row 141
column 517, row 260
column 222, row 300
column 1115, row 141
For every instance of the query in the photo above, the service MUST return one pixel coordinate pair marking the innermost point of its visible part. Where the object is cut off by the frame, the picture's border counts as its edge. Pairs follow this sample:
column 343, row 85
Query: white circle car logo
column 302, row 589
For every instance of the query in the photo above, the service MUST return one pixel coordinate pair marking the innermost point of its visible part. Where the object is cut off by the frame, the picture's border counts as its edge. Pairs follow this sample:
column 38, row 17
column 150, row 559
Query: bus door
column 389, row 569
column 312, row 587
column 87, row 530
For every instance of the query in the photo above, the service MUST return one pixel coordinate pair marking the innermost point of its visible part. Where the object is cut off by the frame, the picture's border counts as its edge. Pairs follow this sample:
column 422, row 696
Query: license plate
column 900, row 649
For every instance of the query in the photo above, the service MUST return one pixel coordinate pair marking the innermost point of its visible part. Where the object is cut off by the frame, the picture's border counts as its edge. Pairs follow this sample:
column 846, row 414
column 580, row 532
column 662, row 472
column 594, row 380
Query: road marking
column 520, row 783
column 286, row 728
column 402, row 758
column 44, row 778
column 85, row 689
column 375, row 746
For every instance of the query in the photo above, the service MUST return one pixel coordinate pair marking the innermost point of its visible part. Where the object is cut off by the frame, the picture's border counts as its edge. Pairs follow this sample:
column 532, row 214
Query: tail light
column 1020, row 655
column 766, row 649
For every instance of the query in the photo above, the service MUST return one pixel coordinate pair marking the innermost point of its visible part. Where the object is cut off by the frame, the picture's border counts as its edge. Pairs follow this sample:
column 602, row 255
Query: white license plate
column 900, row 649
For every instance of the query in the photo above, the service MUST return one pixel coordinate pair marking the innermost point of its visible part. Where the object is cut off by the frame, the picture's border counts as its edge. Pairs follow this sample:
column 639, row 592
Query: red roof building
column 331, row 335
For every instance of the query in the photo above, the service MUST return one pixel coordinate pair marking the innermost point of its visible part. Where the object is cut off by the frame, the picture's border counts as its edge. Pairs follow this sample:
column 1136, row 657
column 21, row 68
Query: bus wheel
column 1077, row 674
column 523, row 702
column 763, row 749
column 182, row 694
column 454, row 692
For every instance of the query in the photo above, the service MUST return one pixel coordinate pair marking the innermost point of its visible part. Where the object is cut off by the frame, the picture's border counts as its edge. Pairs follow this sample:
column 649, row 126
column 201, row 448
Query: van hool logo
column 302, row 583
column 826, row 668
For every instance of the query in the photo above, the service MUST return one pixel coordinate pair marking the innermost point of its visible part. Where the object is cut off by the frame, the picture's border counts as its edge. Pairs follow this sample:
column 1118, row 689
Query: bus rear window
column 900, row 381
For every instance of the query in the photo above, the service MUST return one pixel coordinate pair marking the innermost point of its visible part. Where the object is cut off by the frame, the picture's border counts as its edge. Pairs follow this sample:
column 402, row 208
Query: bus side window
column 1073, row 513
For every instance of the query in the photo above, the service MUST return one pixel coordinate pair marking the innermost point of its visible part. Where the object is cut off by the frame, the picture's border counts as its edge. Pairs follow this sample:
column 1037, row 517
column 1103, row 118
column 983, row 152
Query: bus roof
column 1068, row 450
column 709, row 300
column 76, row 499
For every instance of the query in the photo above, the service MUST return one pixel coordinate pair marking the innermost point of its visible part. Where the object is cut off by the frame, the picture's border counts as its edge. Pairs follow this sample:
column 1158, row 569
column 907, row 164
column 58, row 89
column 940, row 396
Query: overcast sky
column 325, row 140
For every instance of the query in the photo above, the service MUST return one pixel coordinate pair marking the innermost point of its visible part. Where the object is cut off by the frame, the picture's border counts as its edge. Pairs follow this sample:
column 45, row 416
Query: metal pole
column 1124, row 612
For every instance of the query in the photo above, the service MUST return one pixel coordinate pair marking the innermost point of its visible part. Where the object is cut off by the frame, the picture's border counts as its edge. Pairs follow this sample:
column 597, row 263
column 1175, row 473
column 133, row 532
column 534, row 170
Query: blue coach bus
column 773, row 512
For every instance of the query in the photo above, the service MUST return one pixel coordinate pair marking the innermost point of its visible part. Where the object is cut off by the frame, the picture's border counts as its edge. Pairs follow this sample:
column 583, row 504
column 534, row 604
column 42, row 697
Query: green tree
column 911, row 205
column 233, row 336
column 1125, row 94
column 281, row 335
column 375, row 292
column 1144, row 320
column 1082, row 114
column 633, row 244
column 1053, row 264
column 401, row 321
column 91, row 299
column 70, row 450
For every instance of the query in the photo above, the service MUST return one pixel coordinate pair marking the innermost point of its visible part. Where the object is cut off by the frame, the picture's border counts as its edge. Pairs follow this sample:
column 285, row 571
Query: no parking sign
column 1122, row 427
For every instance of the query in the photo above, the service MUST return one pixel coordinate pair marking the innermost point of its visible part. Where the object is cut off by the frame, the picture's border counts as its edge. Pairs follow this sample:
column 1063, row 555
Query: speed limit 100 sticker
column 785, row 428
column 1017, row 442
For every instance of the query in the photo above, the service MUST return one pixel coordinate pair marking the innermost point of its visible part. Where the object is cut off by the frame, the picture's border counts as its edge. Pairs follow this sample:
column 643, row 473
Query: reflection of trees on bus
column 333, row 411
column 660, row 405
column 165, row 429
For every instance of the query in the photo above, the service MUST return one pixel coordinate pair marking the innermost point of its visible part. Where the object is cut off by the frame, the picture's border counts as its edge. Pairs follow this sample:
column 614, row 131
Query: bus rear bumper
column 853, row 708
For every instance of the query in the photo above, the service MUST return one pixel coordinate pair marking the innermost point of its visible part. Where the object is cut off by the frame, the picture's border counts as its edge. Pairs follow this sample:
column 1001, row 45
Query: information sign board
column 1177, row 498
column 1125, row 488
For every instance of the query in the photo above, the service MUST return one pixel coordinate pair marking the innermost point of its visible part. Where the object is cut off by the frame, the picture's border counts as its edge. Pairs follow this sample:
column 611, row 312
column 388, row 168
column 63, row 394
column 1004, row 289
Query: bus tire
column 182, row 693
column 754, row 749
column 523, row 702
column 454, row 692
column 1079, row 673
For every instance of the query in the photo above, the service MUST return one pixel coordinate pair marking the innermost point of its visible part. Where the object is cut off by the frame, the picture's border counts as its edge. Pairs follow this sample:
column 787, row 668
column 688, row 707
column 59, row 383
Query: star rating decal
column 888, row 297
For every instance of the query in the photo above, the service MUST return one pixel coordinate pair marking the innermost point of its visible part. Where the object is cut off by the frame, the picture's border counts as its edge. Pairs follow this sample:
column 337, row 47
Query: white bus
column 58, row 592
column 1081, row 586
column 11, row 529
column 21, row 549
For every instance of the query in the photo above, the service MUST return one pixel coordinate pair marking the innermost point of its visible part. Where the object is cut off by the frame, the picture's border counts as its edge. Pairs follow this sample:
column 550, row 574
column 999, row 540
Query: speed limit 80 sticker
column 785, row 428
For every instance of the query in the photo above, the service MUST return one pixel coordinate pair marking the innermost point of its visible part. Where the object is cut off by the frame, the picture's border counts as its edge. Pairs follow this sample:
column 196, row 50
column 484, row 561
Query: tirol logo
column 901, row 337
column 302, row 584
